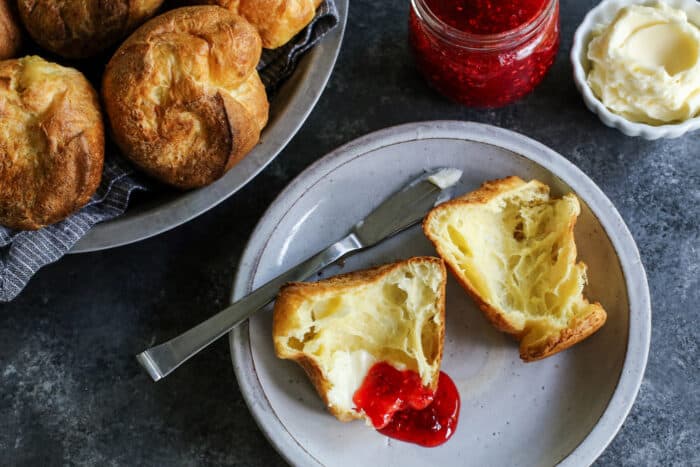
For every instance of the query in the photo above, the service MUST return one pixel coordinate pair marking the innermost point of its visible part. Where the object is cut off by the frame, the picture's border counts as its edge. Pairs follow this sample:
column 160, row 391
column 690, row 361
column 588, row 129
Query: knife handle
column 161, row 360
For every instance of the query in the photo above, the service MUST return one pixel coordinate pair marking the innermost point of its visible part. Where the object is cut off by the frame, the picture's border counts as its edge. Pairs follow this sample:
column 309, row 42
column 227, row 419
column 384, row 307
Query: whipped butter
column 347, row 371
column 645, row 64
column 445, row 178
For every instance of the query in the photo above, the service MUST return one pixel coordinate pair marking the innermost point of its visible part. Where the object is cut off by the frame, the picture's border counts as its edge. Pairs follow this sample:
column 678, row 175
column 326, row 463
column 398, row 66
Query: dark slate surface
column 71, row 392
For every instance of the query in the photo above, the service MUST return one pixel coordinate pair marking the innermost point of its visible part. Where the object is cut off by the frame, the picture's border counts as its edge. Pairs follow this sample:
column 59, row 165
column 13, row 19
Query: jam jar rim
column 483, row 42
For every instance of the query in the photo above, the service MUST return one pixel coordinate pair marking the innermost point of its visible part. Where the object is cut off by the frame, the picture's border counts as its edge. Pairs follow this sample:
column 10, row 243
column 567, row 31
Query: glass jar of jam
column 484, row 53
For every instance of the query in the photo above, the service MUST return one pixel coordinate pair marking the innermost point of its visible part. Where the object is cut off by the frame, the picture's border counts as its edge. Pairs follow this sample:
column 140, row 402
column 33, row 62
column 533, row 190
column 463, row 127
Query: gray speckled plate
column 564, row 409
column 288, row 111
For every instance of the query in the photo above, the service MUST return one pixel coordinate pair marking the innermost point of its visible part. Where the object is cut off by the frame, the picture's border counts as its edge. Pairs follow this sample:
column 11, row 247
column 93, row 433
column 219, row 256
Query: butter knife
column 403, row 209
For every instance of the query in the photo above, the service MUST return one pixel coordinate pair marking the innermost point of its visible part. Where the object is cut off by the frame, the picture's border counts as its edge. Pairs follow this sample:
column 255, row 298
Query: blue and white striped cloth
column 22, row 254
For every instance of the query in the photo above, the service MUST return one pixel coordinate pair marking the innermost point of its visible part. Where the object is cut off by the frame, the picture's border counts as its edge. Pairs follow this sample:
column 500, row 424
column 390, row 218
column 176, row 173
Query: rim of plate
column 639, row 336
column 310, row 79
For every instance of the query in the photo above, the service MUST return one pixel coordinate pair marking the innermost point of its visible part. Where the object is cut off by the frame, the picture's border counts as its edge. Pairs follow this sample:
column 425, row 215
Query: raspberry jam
column 400, row 407
column 484, row 53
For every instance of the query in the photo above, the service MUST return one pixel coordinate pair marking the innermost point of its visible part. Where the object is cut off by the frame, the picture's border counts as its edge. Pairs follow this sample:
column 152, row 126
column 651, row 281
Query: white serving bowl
column 604, row 14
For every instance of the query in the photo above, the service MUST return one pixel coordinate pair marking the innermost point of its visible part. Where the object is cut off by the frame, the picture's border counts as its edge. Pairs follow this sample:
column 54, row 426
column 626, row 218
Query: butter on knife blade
column 445, row 178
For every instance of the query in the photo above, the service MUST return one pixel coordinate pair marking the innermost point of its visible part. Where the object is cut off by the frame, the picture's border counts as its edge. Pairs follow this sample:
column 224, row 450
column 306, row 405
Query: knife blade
column 398, row 212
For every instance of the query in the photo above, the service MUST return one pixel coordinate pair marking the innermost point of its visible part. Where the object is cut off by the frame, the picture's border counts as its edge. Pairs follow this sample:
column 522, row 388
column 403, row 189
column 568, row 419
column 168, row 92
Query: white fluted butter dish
column 603, row 14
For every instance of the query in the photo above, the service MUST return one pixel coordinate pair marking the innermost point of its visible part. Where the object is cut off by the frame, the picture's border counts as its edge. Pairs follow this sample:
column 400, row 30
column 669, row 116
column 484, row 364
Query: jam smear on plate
column 400, row 407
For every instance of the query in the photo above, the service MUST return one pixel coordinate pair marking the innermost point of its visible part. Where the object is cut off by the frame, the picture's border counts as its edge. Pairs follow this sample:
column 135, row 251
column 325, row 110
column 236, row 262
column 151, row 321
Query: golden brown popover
column 277, row 21
column 83, row 28
column 337, row 328
column 51, row 142
column 512, row 247
column 10, row 37
column 183, row 97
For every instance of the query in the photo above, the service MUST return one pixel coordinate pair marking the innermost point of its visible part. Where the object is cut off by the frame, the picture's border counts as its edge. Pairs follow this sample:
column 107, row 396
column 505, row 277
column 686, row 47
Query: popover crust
column 277, row 21
column 512, row 248
column 51, row 142
column 10, row 36
column 183, row 97
column 345, row 310
column 82, row 28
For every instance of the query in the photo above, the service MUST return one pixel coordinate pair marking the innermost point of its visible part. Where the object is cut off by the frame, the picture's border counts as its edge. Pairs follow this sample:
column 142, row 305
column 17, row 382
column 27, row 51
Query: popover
column 79, row 28
column 277, row 21
column 51, row 142
column 10, row 37
column 338, row 328
column 511, row 246
column 183, row 96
